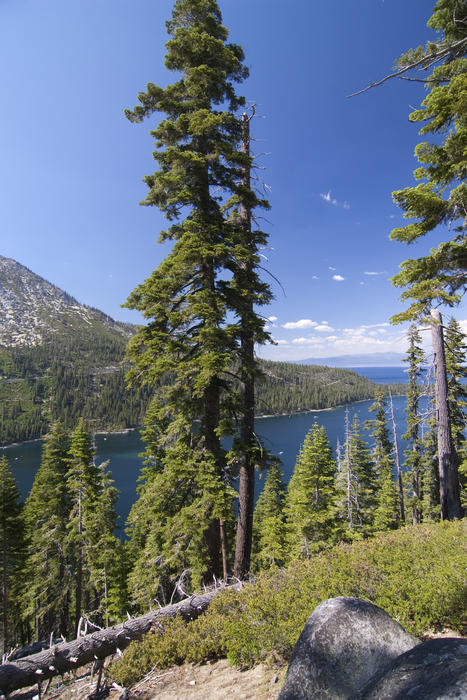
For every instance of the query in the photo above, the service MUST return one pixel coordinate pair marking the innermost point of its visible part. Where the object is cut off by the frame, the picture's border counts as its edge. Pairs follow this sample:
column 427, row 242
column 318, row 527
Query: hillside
column 61, row 359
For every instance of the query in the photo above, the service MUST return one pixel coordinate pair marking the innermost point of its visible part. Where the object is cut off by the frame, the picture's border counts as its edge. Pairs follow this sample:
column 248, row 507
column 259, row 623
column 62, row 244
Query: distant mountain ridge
column 374, row 359
column 32, row 309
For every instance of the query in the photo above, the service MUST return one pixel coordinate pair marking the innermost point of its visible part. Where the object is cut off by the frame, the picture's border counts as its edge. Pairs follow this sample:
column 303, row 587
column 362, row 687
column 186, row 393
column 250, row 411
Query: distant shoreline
column 124, row 431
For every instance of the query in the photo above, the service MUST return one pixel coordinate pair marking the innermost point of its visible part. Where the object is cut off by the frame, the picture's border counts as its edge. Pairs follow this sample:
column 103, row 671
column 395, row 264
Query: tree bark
column 448, row 472
column 68, row 656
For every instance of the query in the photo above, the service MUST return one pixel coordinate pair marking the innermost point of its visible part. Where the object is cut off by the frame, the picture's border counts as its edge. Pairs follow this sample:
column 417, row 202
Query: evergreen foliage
column 456, row 369
column 356, row 484
column 413, row 456
column 47, row 383
column 386, row 514
column 268, row 523
column 46, row 513
column 441, row 195
column 416, row 574
column 431, row 507
column 309, row 503
column 92, row 547
column 11, row 557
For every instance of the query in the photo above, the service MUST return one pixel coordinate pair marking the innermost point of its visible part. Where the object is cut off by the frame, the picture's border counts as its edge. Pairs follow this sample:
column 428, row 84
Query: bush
column 416, row 574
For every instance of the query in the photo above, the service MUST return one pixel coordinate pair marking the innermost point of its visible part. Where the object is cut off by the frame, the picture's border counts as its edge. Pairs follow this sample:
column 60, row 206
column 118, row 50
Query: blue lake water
column 282, row 435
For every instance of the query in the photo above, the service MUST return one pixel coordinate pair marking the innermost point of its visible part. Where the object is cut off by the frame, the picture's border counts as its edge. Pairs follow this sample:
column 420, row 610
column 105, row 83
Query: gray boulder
column 435, row 670
column 345, row 642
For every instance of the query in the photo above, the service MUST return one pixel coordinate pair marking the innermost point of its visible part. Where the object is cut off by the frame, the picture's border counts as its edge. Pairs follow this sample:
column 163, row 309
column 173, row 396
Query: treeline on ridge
column 83, row 375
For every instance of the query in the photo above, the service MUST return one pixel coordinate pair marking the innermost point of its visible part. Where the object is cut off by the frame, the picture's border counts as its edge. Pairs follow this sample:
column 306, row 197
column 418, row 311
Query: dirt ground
column 211, row 681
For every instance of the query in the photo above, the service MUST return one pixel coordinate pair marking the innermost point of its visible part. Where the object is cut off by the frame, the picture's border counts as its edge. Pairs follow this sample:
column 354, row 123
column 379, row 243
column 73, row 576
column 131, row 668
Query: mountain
column 62, row 360
column 32, row 310
column 374, row 359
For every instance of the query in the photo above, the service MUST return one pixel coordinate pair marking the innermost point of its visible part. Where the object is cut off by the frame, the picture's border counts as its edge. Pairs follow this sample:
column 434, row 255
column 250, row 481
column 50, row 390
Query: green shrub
column 416, row 574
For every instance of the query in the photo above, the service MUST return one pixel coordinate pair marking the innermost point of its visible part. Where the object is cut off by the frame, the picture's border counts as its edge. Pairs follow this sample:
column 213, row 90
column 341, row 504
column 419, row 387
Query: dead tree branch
column 95, row 646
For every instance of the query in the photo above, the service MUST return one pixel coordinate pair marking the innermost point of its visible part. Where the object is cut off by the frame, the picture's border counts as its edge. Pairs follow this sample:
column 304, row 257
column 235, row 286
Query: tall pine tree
column 186, row 299
column 309, row 505
column 440, row 196
column 386, row 515
column 11, row 557
column 47, row 509
column 268, row 523
column 355, row 484
column 413, row 453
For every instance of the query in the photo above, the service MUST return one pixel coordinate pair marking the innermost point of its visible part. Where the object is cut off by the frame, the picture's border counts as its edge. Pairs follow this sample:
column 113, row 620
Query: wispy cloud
column 338, row 278
column 303, row 323
column 373, row 274
column 326, row 341
column 272, row 319
column 327, row 197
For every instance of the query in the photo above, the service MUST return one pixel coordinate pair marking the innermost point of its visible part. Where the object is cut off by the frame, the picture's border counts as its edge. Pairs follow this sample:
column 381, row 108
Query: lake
column 282, row 435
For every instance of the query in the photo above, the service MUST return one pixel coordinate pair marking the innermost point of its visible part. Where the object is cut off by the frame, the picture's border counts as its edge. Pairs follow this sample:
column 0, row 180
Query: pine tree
column 456, row 371
column 439, row 199
column 457, row 397
column 46, row 513
column 11, row 556
column 186, row 299
column 268, row 523
column 415, row 357
column 355, row 483
column 431, row 507
column 309, row 504
column 247, row 291
column 91, row 544
column 105, row 552
column 386, row 515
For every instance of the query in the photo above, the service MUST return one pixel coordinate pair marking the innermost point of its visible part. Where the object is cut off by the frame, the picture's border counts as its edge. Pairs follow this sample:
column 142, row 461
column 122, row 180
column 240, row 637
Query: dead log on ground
column 61, row 658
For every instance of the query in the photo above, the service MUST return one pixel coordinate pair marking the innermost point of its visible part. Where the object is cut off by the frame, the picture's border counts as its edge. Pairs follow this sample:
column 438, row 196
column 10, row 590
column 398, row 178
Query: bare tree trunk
column 448, row 472
column 66, row 657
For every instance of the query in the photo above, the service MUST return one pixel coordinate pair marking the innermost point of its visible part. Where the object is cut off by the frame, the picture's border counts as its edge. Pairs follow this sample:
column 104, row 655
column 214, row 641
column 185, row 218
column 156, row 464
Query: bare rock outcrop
column 345, row 642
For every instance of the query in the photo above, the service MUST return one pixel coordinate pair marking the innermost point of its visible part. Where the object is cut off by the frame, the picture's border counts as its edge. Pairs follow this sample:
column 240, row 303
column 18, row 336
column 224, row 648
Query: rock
column 434, row 670
column 344, row 643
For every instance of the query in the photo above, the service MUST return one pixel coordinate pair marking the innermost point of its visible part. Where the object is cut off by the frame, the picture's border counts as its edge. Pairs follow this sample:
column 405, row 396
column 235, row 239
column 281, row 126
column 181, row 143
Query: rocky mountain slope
column 32, row 310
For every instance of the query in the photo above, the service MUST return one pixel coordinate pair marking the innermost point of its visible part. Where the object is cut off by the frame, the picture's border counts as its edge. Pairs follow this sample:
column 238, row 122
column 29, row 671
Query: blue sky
column 72, row 165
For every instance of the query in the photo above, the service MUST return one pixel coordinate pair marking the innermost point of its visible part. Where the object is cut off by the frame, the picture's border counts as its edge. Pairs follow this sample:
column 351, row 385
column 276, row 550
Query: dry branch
column 68, row 656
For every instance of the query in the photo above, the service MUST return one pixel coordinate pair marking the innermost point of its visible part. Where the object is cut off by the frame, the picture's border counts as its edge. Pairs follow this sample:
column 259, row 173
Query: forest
column 195, row 378
column 75, row 376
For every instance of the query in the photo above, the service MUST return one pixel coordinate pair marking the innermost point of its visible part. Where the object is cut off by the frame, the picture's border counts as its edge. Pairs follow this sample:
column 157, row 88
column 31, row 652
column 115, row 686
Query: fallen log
column 68, row 656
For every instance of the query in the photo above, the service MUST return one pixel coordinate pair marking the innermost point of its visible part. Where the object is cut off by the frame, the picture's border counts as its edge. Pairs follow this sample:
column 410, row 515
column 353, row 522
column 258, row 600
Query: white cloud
column 338, row 278
column 372, row 274
column 272, row 318
column 308, row 341
column 331, row 268
column 324, row 327
column 315, row 277
column 463, row 325
column 327, row 197
column 303, row 323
